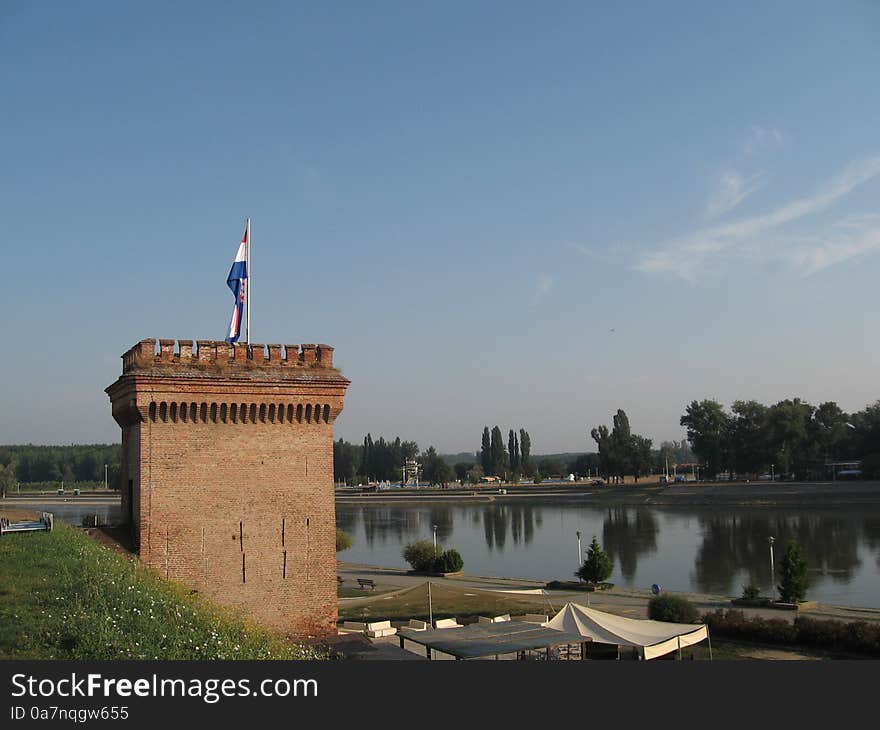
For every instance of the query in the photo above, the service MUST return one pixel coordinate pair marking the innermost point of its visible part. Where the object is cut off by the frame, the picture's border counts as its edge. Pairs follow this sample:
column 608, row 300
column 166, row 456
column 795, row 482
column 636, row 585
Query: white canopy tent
column 650, row 638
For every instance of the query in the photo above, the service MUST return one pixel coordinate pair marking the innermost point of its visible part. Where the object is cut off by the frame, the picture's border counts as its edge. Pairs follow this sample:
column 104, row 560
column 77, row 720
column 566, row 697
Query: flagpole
column 248, row 304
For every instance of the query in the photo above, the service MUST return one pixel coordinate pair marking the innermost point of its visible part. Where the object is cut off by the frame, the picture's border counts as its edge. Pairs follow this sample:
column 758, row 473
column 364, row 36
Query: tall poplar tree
column 513, row 450
column 486, row 452
column 498, row 452
column 525, row 448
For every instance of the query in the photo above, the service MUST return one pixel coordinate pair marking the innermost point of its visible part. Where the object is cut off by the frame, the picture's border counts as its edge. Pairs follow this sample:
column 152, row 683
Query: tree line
column 622, row 452
column 384, row 461
column 791, row 437
column 512, row 462
column 29, row 464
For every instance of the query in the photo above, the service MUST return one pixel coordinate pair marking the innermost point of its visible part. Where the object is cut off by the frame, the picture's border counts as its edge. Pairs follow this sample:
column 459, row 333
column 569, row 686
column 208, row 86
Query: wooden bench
column 367, row 583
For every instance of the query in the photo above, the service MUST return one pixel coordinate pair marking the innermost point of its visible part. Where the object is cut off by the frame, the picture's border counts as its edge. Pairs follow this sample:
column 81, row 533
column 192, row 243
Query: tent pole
column 430, row 608
column 710, row 643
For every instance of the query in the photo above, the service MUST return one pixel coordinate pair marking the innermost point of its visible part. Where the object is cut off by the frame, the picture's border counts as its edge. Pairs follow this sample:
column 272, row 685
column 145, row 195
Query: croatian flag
column 237, row 281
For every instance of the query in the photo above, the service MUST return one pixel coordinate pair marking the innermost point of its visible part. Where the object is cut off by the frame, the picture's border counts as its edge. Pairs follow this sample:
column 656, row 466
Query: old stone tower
column 227, row 473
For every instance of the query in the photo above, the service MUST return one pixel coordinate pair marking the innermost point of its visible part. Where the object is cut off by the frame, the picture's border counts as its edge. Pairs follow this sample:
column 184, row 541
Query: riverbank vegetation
column 65, row 596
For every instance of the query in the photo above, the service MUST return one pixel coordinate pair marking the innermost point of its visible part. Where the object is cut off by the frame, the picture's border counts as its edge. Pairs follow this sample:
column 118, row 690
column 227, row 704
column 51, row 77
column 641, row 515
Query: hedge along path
column 65, row 596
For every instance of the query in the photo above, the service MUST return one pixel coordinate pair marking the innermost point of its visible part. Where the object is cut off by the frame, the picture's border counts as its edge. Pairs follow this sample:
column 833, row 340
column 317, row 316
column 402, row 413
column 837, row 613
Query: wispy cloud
column 758, row 138
column 731, row 189
column 686, row 257
column 543, row 286
column 846, row 240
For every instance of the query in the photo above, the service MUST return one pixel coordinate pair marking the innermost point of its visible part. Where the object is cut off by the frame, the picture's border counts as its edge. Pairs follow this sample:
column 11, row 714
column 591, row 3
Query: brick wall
column 232, row 477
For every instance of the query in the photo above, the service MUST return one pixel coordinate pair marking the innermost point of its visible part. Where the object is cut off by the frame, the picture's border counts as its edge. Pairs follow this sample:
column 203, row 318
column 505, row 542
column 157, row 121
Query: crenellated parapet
column 219, row 355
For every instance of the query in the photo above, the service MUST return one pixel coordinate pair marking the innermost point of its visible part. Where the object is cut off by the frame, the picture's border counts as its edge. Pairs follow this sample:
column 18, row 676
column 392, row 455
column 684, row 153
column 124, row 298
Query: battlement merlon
column 220, row 356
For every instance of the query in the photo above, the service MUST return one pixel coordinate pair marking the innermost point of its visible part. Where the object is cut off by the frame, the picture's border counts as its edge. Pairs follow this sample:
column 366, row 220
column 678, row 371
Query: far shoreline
column 689, row 493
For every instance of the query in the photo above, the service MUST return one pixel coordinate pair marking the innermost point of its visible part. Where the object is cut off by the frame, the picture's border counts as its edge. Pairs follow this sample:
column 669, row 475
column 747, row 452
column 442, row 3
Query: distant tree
column 344, row 461
column 7, row 478
column 794, row 578
column 551, row 467
column 498, row 453
column 707, row 426
column 584, row 465
column 475, row 474
column 367, row 457
column 667, row 457
column 461, row 470
column 513, row 451
column 642, row 458
column 603, row 442
column 789, row 426
column 829, row 429
column 598, row 565
column 525, row 450
column 864, row 436
column 747, row 439
column 486, row 452
column 434, row 468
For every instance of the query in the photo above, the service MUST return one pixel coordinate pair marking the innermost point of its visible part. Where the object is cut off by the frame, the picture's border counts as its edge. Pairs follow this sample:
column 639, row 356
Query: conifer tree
column 794, row 576
column 598, row 565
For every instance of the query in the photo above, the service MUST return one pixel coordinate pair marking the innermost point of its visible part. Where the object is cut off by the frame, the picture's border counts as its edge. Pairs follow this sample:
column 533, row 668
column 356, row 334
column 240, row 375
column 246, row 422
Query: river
column 699, row 549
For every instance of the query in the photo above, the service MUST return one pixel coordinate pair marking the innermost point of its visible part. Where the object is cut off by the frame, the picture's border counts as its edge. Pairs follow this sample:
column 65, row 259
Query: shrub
column 751, row 592
column 421, row 555
column 598, row 565
column 343, row 540
column 425, row 558
column 793, row 575
column 675, row 609
column 449, row 561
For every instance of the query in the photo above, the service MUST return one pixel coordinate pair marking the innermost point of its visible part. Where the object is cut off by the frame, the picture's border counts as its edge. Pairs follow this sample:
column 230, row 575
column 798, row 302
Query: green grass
column 445, row 603
column 64, row 596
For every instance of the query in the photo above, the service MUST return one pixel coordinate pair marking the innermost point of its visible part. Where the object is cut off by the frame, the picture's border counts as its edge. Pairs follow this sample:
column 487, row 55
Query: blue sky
column 465, row 199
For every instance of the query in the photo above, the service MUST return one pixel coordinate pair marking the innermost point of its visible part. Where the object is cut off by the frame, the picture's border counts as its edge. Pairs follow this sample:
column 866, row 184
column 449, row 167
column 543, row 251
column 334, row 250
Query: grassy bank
column 64, row 596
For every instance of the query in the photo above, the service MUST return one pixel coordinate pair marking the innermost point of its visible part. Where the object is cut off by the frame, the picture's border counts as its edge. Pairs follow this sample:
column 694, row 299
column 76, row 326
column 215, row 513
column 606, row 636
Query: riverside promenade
column 630, row 602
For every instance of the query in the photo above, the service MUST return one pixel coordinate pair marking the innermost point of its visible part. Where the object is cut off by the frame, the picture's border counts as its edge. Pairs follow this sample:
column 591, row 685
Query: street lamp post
column 434, row 527
column 771, row 473
column 105, row 476
column 580, row 559
column 771, row 540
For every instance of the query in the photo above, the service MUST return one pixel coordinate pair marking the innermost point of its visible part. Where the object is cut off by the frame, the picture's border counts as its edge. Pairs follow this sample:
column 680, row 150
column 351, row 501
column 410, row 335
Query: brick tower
column 227, row 473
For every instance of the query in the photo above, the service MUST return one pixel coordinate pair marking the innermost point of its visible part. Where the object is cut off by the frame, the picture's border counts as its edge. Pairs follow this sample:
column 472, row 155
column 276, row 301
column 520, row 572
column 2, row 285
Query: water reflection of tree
column 628, row 533
column 346, row 520
column 401, row 523
column 739, row 544
column 871, row 528
column 495, row 525
column 441, row 515
column 520, row 517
